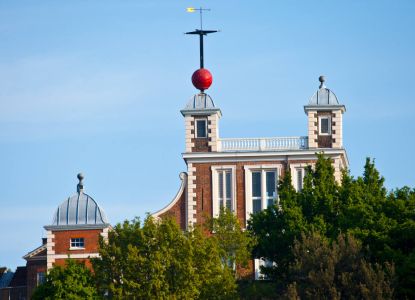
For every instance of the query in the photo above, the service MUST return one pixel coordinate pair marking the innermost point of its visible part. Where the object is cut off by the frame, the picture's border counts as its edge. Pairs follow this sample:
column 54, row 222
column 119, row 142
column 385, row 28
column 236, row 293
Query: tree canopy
column 337, row 270
column 235, row 244
column 157, row 260
column 383, row 222
column 72, row 282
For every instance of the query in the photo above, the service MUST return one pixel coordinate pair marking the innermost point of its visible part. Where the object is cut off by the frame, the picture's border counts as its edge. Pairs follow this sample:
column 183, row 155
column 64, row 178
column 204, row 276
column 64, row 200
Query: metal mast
column 200, row 32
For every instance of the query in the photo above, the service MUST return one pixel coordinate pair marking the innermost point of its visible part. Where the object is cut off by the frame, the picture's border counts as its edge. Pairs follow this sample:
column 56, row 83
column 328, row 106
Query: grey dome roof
column 324, row 96
column 79, row 209
column 200, row 104
column 200, row 101
column 324, row 100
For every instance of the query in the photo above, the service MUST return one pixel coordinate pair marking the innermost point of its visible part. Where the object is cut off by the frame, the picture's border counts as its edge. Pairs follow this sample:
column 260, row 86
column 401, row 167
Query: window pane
column 256, row 205
column 229, row 204
column 201, row 128
column 220, row 185
column 324, row 125
column 40, row 278
column 271, row 202
column 220, row 203
column 228, row 185
column 77, row 242
column 299, row 179
column 256, row 184
column 271, row 187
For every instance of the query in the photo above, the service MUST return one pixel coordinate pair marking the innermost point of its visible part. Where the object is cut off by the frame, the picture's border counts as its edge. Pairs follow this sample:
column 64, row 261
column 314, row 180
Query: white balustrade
column 263, row 144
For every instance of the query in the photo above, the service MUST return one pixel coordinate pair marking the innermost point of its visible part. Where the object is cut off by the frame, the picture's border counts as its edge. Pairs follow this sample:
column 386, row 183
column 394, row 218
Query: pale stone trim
column 338, row 128
column 311, row 129
column 214, row 131
column 104, row 233
column 191, row 196
column 188, row 133
column 76, row 255
column 50, row 252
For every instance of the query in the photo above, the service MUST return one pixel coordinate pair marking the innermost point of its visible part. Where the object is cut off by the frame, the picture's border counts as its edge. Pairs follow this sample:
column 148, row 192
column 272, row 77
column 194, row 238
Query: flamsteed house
column 242, row 173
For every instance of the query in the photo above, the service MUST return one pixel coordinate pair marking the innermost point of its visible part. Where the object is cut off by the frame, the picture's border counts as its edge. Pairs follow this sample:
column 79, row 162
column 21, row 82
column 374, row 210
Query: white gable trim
column 183, row 178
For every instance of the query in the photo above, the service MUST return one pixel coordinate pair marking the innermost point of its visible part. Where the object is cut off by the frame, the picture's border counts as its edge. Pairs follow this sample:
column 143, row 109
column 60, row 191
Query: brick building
column 77, row 224
column 242, row 173
column 76, row 227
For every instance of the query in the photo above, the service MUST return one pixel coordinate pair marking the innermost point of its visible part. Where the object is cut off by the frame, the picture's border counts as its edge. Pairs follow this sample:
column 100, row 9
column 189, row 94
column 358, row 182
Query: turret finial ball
column 321, row 79
column 80, row 176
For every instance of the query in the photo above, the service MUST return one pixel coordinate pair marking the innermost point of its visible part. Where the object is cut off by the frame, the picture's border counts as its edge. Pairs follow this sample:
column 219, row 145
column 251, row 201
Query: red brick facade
column 35, row 265
column 62, row 241
column 178, row 211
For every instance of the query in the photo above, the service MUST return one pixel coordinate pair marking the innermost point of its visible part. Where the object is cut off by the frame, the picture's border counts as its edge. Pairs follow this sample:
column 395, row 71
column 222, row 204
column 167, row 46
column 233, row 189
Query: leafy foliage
column 234, row 243
column 72, row 282
column 159, row 261
column 384, row 223
column 321, row 270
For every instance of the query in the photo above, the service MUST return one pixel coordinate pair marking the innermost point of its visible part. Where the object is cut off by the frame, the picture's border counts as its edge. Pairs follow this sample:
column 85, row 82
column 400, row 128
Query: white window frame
column 301, row 182
column 329, row 124
column 248, row 185
column 206, row 128
column 293, row 168
column 215, row 188
column 73, row 242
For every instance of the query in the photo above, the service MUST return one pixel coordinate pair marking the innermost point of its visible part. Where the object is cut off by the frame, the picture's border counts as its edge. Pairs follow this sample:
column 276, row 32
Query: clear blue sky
column 96, row 86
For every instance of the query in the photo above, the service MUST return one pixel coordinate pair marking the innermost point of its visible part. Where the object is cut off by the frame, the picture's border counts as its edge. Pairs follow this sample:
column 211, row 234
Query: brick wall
column 62, row 241
column 204, row 189
column 62, row 262
column 178, row 211
column 34, row 267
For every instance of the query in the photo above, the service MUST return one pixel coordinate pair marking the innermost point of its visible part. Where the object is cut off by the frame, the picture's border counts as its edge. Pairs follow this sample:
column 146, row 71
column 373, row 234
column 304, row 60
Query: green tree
column 235, row 244
column 384, row 223
column 157, row 260
column 276, row 228
column 321, row 270
column 72, row 282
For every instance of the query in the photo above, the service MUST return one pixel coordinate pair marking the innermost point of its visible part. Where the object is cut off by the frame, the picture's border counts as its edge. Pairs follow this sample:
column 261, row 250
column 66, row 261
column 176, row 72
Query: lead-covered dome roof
column 324, row 98
column 199, row 103
column 79, row 210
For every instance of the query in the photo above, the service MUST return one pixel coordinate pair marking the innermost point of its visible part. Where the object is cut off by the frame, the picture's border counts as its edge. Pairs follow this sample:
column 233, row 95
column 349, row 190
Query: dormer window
column 325, row 125
column 201, row 128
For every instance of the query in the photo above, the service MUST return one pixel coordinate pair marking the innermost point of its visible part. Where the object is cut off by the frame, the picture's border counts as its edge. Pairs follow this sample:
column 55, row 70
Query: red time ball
column 202, row 79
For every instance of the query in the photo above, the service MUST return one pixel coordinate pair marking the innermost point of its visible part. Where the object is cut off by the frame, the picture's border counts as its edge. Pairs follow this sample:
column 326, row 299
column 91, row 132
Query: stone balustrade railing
column 262, row 144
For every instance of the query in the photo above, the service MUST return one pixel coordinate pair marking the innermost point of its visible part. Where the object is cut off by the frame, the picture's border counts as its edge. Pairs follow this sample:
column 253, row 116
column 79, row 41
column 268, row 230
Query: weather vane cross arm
column 200, row 31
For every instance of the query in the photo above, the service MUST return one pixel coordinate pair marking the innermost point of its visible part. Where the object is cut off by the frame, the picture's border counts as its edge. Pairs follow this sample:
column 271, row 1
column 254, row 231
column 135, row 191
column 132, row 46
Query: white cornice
column 198, row 157
column 34, row 252
column 76, row 227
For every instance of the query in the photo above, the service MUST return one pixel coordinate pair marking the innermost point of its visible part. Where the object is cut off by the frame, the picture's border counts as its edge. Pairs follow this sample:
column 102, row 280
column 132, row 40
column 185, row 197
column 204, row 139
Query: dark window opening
column 201, row 129
column 324, row 123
